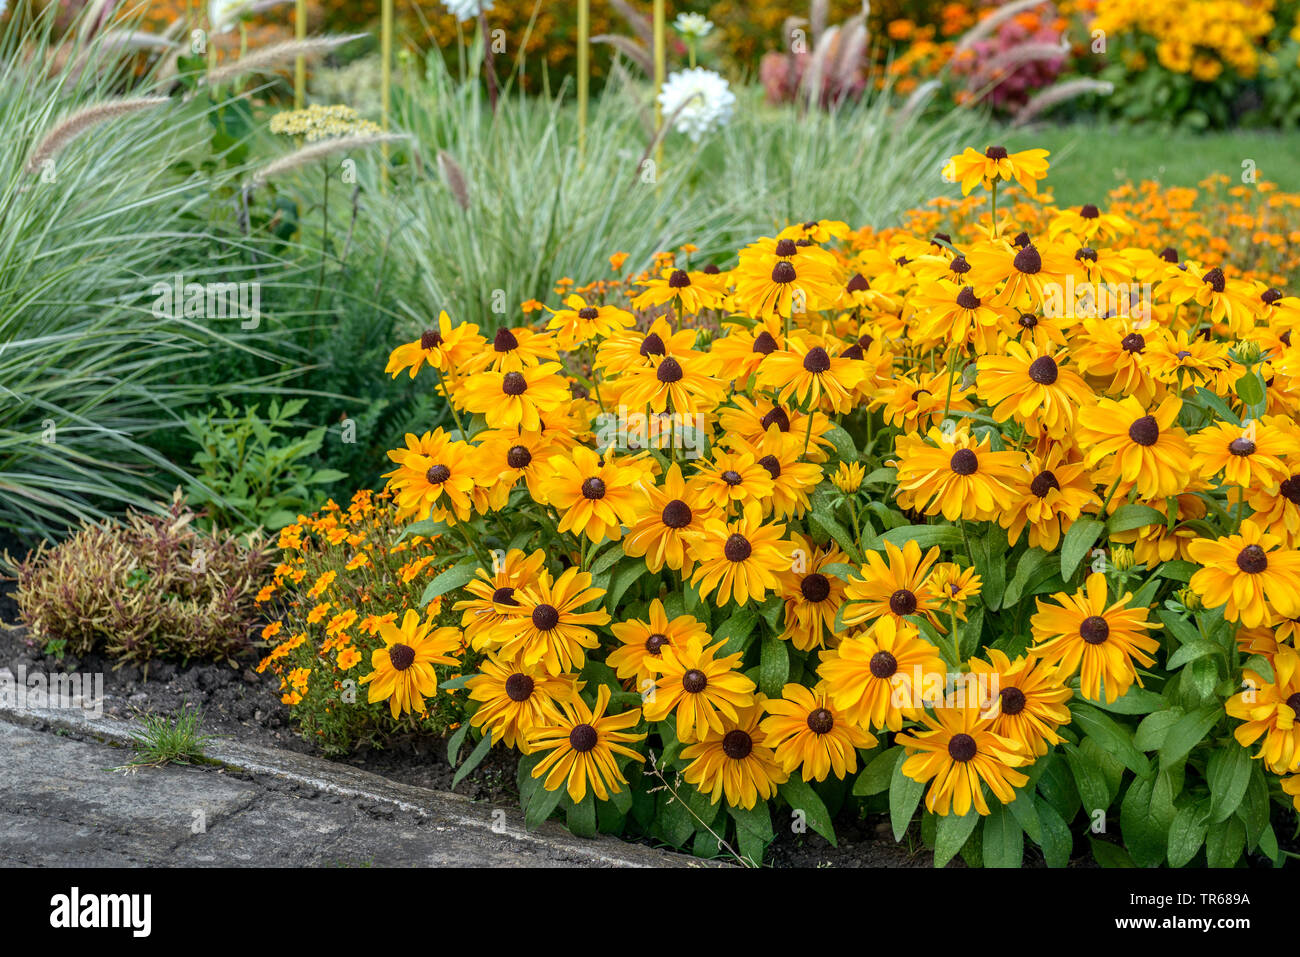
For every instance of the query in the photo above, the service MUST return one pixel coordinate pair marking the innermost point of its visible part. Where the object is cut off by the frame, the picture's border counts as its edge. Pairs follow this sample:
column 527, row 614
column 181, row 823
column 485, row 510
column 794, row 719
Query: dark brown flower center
column 1094, row 629
column 655, row 643
column 772, row 465
column 783, row 272
column 820, row 721
column 1043, row 370
column 737, row 548
column 669, row 371
column 514, row 383
column 967, row 298
column 786, row 248
column 694, row 681
column 1241, row 447
column 431, row 339
column 815, row 587
column 1043, row 483
column 437, row 474
column 583, row 738
column 852, row 352
column 1027, row 321
column 1293, row 702
column 545, row 617
column 1028, row 260
column 961, row 747
column 519, row 457
column 1252, row 560
column 1215, row 279
column 1290, row 489
column 858, row 283
column 504, row 340
column 593, row 488
column 996, row 152
column 1089, row 211
column 817, row 361
column 652, row 345
column 679, row 279
column 1270, row 296
column 1086, row 253
column 519, row 687
column 401, row 656
column 732, row 477
column 883, row 665
column 764, row 343
column 959, row 265
column 902, row 602
column 1013, row 700
column 1145, row 431
column 1133, row 342
column 776, row 417
column 737, row 744
column 676, row 514
column 504, row 595
column 1169, row 254
column 964, row 462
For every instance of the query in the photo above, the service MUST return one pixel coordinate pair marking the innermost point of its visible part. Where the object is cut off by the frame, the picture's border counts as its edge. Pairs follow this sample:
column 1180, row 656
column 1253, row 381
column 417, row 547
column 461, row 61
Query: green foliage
column 251, row 472
column 169, row 740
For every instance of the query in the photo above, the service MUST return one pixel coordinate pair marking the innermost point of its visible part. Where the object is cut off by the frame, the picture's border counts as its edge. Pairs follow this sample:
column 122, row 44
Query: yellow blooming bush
column 988, row 523
column 348, row 586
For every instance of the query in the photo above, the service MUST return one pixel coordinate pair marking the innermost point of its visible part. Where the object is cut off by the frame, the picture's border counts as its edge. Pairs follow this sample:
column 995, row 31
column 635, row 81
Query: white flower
column 695, row 26
column 467, row 9
column 696, row 101
column 223, row 15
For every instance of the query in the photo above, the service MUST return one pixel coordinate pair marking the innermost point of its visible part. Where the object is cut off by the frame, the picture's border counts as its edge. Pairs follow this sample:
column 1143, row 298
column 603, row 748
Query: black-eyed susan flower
column 812, row 598
column 739, row 354
column 691, row 291
column 1016, row 276
column 402, row 671
column 594, row 495
column 504, row 456
column 1253, row 456
column 675, row 383
column 781, row 278
column 793, row 479
column 515, row 400
column 1034, row 387
column 1142, row 449
column 735, row 761
column 949, row 315
column 954, row 474
column 543, row 623
column 1088, row 223
column 955, row 586
column 1269, row 710
column 897, row 585
column 583, row 744
column 915, row 403
column 664, row 522
column 971, row 168
column 434, row 477
column 513, row 349
column 878, row 678
column 516, row 699
column 698, row 685
column 848, row 477
column 444, row 347
column 1102, row 642
column 579, row 323
column 1252, row 574
column 750, row 420
column 732, row 478
column 1050, row 495
column 642, row 643
column 810, row 374
column 495, row 590
column 739, row 559
column 1028, row 697
column 958, row 754
column 808, row 735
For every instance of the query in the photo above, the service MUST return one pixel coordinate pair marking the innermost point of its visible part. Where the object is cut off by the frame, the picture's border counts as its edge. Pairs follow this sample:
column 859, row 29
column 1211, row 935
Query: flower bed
column 987, row 523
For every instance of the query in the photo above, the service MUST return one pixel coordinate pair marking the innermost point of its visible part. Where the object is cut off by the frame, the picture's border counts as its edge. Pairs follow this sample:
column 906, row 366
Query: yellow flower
column 959, row 753
column 583, row 743
column 972, row 169
column 806, row 732
column 739, row 559
column 403, row 672
column 735, row 760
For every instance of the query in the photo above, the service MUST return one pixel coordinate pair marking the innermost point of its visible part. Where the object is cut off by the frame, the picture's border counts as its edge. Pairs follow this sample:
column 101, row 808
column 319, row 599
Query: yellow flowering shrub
column 345, row 580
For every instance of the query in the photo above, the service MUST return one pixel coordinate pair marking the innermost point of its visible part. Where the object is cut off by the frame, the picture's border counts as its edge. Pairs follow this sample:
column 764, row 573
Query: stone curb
column 314, row 773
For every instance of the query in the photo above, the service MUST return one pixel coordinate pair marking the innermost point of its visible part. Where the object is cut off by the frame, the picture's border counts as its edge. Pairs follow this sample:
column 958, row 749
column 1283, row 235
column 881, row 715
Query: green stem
column 442, row 384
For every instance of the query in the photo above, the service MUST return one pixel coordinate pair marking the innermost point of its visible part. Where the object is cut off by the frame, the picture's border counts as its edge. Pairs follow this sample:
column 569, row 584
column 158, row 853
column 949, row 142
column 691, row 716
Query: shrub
column 346, row 578
column 876, row 521
column 145, row 587
column 251, row 473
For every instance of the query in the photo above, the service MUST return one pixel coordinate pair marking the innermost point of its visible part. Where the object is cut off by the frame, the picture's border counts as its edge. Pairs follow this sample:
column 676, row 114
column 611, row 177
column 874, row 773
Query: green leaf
column 904, row 796
column 1250, row 388
column 426, row 528
column 1128, row 517
column 474, row 760
column 736, row 630
column 1076, row 544
column 1151, row 733
column 1187, row 732
column 542, row 805
column 753, row 830
column 926, row 536
column 1088, row 778
column 1228, row 775
column 774, row 666
column 454, row 743
column 1057, row 842
column 1030, row 562
column 1145, row 816
column 875, row 777
column 951, row 832
column 1004, row 841
column 1190, row 651
column 607, row 560
column 458, row 576
column 1026, row 814
column 826, row 522
column 1217, row 405
column 1135, row 701
column 843, row 442
column 1109, row 855
column 581, row 817
column 1110, row 736
column 990, row 550
column 1224, row 843
column 801, row 797
column 1187, row 834
column 624, row 575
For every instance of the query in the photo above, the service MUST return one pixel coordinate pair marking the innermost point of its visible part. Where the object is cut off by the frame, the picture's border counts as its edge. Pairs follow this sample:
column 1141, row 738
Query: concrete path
column 63, row 804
